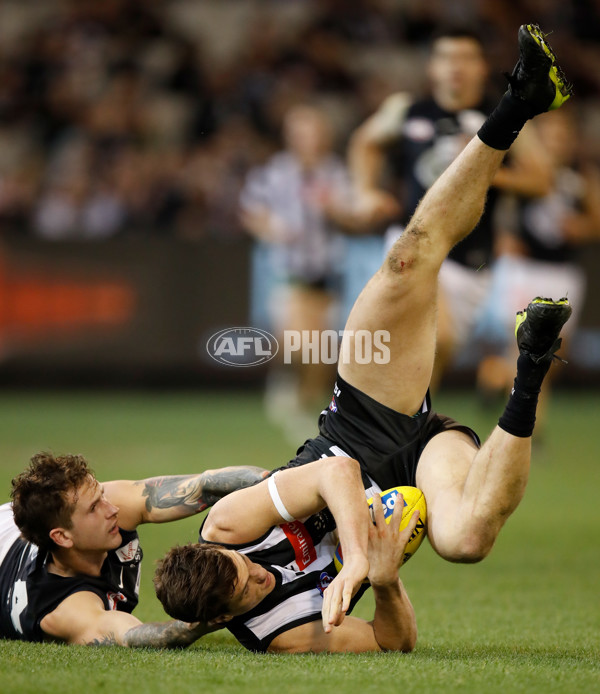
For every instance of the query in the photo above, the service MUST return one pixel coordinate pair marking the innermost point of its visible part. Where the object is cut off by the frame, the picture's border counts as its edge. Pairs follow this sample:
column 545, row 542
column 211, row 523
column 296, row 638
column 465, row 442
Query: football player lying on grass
column 271, row 580
column 70, row 557
column 381, row 416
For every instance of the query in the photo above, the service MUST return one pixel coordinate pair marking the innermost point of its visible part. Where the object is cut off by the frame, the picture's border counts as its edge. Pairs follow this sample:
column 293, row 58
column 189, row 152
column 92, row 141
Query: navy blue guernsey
column 300, row 557
column 28, row 592
column 431, row 138
column 541, row 220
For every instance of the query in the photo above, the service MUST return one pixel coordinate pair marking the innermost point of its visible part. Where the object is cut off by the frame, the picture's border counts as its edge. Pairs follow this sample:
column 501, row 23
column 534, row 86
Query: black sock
column 518, row 418
column 503, row 125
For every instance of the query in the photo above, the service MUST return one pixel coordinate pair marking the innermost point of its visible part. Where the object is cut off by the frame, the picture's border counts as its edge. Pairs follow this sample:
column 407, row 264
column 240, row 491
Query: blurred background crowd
column 211, row 123
column 144, row 116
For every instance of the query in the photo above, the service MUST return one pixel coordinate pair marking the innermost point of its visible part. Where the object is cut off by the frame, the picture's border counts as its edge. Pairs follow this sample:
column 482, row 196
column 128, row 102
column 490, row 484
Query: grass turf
column 525, row 620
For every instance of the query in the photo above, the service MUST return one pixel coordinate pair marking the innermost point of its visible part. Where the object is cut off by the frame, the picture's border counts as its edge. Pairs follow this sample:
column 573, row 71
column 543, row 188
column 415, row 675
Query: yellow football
column 413, row 500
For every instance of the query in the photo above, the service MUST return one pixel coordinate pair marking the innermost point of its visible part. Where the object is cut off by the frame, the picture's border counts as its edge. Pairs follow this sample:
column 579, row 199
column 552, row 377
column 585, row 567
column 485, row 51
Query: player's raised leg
column 470, row 493
column 401, row 297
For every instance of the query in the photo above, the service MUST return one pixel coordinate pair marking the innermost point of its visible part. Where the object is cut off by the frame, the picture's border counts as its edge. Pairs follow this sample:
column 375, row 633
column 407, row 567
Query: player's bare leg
column 469, row 492
column 402, row 296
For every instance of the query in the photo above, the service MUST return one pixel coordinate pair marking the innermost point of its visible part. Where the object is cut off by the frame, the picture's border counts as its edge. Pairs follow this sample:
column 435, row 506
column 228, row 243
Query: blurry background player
column 539, row 246
column 419, row 139
column 297, row 257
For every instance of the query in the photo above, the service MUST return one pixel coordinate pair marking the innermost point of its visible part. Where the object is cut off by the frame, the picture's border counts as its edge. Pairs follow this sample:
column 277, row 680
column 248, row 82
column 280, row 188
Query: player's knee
column 467, row 548
column 403, row 255
column 471, row 553
column 342, row 465
column 414, row 250
column 398, row 261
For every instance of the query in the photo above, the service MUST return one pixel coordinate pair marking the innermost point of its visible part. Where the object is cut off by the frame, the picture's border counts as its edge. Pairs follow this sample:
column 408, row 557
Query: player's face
column 253, row 585
column 458, row 70
column 94, row 523
column 306, row 133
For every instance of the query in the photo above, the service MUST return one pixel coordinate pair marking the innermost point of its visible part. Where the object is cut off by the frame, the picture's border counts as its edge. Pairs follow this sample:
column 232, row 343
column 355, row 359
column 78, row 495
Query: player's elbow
column 362, row 150
column 359, row 141
column 411, row 640
column 335, row 474
column 408, row 646
column 401, row 643
column 216, row 523
column 339, row 466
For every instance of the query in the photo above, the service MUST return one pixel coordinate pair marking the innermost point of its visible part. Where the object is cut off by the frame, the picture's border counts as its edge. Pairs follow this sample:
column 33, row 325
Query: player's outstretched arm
column 82, row 619
column 171, row 497
column 366, row 158
column 369, row 142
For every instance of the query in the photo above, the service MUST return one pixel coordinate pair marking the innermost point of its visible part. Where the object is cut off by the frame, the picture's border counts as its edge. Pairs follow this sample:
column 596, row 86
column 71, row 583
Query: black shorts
column 386, row 443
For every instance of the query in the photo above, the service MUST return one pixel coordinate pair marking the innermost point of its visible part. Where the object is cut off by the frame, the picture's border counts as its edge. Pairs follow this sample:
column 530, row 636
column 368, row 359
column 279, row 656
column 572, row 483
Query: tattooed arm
column 82, row 619
column 162, row 499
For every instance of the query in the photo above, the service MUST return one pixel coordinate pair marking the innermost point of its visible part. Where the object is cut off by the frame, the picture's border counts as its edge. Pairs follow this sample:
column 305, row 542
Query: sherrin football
column 413, row 500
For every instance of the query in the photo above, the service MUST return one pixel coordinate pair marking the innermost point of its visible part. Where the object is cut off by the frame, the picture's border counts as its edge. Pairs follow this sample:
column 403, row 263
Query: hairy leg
column 402, row 296
column 470, row 493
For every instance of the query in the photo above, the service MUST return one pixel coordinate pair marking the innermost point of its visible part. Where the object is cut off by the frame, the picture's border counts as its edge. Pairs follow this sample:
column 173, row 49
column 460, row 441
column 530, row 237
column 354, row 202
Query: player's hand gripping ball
column 413, row 500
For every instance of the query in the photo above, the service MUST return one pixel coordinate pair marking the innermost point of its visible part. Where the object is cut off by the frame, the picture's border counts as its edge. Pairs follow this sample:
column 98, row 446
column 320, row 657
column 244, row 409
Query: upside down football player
column 252, row 579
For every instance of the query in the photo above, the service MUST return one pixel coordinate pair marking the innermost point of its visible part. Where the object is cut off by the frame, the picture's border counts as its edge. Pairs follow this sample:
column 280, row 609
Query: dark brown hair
column 40, row 495
column 195, row 582
column 457, row 31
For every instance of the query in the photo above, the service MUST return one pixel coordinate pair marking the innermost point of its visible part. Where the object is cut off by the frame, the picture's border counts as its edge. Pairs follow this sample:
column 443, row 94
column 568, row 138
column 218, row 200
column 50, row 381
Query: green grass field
column 527, row 619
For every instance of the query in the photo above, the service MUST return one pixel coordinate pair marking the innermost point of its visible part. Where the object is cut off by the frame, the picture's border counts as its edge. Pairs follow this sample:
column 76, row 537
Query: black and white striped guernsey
column 300, row 557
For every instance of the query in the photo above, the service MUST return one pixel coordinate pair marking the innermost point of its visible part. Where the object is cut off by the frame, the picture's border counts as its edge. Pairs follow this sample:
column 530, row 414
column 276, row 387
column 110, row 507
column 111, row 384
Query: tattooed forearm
column 108, row 639
column 174, row 490
column 156, row 635
column 191, row 494
column 218, row 483
column 164, row 635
